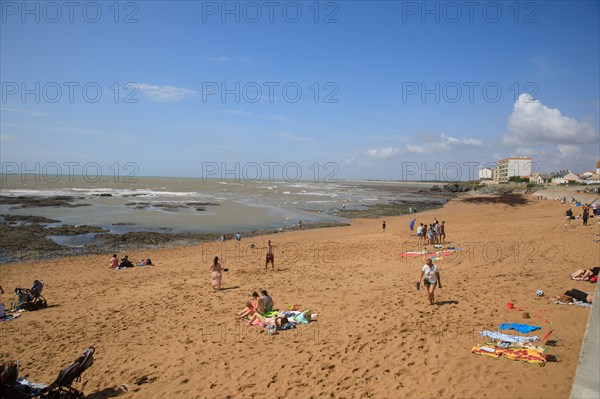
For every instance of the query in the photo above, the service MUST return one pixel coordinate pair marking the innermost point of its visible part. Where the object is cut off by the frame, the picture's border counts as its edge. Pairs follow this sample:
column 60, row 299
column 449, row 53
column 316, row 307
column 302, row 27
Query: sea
column 177, row 204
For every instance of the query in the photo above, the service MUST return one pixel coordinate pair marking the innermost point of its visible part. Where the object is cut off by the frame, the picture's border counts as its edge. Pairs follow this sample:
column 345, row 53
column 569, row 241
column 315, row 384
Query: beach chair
column 31, row 299
column 14, row 388
column 61, row 387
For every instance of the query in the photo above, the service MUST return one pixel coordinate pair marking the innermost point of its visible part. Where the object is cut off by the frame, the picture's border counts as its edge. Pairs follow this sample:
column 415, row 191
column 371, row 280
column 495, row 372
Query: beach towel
column 508, row 338
column 416, row 254
column 10, row 317
column 271, row 313
column 575, row 302
column 522, row 328
column 528, row 355
column 486, row 351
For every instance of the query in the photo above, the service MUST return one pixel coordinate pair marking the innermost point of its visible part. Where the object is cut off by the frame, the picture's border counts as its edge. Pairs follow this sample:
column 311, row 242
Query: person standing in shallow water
column 216, row 275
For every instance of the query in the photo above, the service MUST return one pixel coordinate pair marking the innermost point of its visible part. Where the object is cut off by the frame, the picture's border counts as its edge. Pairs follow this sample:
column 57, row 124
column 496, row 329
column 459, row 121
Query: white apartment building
column 509, row 167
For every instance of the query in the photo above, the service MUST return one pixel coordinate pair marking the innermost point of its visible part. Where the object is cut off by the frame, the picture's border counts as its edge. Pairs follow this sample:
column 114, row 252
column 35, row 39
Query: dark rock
column 74, row 230
column 201, row 204
column 39, row 202
column 28, row 219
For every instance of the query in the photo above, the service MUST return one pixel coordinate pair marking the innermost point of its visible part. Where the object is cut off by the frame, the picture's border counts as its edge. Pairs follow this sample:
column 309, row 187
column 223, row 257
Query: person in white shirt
column 420, row 234
column 430, row 278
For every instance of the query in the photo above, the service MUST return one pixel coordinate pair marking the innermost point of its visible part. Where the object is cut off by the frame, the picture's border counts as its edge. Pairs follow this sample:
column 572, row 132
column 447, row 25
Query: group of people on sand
column 585, row 275
column 577, row 296
column 587, row 211
column 115, row 263
column 257, row 307
column 434, row 233
column 260, row 312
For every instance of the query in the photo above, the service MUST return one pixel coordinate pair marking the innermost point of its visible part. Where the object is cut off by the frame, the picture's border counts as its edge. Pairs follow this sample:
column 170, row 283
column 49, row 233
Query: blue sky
column 384, row 85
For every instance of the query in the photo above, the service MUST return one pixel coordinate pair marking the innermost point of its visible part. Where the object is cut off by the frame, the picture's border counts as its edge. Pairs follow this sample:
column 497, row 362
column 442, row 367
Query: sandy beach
column 375, row 334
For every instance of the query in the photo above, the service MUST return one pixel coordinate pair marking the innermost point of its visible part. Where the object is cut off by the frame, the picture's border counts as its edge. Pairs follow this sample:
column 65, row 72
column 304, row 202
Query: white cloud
column 353, row 161
column 567, row 150
column 442, row 142
column 533, row 122
column 218, row 59
column 383, row 153
column 165, row 93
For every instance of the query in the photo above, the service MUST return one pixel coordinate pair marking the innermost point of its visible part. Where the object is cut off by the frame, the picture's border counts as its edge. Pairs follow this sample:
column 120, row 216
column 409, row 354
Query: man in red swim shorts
column 270, row 256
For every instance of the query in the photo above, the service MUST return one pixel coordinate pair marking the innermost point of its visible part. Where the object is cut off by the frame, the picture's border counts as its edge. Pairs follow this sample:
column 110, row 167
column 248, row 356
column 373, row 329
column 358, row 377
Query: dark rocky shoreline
column 30, row 242
column 26, row 237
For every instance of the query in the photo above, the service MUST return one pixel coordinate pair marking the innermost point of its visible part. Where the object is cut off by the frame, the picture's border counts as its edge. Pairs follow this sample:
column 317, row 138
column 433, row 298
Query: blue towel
column 522, row 328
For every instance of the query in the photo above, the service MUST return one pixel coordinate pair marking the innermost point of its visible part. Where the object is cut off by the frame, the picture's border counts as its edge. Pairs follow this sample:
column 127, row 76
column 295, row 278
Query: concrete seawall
column 587, row 377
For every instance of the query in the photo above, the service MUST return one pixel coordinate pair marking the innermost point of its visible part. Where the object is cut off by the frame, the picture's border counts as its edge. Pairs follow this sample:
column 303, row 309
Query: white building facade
column 509, row 167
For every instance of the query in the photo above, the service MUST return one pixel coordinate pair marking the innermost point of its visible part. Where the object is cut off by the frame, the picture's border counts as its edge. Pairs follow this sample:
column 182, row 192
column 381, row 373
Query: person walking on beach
column 430, row 278
column 411, row 224
column 384, row 226
column 216, row 275
column 270, row 256
column 238, row 236
column 568, row 215
column 586, row 214
column 443, row 232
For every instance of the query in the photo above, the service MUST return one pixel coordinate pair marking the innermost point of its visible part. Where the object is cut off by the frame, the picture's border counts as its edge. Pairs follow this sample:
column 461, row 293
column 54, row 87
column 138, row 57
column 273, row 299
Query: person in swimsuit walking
column 430, row 278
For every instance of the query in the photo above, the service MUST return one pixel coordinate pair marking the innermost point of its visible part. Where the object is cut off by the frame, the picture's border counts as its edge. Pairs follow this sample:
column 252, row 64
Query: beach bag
column 594, row 279
column 148, row 261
